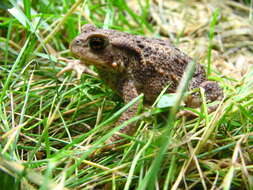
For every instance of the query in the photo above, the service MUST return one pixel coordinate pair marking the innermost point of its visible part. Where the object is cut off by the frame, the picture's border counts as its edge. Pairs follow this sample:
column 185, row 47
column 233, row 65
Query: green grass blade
column 152, row 174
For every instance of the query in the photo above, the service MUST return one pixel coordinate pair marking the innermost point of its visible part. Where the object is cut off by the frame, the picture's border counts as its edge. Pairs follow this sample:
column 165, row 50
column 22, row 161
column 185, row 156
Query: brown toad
column 132, row 64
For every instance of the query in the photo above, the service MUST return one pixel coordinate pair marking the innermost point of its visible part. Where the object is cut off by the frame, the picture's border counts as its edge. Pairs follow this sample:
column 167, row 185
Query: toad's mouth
column 91, row 61
column 97, row 63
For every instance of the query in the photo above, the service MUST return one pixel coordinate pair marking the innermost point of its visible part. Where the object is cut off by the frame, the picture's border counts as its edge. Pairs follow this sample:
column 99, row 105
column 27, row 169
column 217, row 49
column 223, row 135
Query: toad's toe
column 76, row 66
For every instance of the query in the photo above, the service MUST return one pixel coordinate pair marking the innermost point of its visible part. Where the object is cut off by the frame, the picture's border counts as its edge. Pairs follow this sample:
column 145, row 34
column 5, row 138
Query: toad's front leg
column 128, row 92
column 77, row 66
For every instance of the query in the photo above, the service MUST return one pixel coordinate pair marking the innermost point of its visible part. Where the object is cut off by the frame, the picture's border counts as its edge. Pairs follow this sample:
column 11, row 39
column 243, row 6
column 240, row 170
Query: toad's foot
column 112, row 143
column 77, row 66
column 117, row 139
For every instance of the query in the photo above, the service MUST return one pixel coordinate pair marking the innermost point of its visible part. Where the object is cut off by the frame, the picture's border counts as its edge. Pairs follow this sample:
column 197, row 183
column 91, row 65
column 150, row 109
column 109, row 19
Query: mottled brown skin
column 132, row 64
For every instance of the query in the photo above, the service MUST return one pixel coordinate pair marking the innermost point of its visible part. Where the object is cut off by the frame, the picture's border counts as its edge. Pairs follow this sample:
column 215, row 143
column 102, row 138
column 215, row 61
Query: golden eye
column 97, row 43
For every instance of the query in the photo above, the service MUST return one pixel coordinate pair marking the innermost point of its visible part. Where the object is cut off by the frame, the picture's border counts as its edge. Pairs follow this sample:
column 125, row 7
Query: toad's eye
column 97, row 43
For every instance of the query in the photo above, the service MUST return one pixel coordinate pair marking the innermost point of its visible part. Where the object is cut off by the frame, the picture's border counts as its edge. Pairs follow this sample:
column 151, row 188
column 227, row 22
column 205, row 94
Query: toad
column 133, row 64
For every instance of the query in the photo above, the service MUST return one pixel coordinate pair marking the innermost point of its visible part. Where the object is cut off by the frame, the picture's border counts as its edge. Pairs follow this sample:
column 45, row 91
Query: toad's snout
column 75, row 45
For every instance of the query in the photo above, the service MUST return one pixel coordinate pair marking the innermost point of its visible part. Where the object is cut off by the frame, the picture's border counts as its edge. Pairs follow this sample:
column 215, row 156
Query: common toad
column 132, row 64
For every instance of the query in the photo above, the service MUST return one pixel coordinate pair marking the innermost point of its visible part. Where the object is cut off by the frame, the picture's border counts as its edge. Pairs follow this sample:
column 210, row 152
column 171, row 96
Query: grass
column 51, row 126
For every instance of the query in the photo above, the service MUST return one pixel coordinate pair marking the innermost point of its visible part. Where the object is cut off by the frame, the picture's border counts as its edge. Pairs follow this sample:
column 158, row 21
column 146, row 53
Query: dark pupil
column 97, row 43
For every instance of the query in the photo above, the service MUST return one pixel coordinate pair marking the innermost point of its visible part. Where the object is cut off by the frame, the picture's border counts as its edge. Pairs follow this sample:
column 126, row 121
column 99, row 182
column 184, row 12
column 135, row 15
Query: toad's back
column 160, row 64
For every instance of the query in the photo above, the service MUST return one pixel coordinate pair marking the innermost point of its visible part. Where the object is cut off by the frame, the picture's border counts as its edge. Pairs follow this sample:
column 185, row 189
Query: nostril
column 78, row 42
